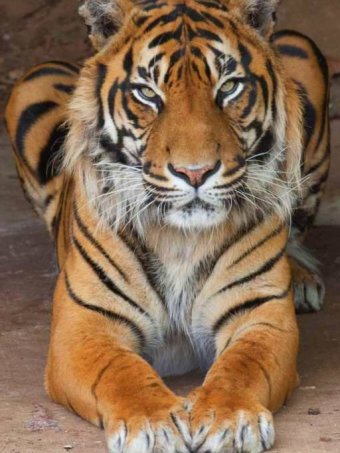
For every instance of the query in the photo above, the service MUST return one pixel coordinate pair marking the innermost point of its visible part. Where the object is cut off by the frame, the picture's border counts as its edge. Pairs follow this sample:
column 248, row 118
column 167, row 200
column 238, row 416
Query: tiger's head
column 184, row 115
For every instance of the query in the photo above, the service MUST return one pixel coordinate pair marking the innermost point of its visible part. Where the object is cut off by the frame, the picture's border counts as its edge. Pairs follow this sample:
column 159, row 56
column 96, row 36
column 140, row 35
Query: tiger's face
column 190, row 117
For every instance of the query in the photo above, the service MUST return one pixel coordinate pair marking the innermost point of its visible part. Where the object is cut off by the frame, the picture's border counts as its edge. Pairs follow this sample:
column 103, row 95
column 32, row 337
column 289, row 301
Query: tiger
column 178, row 172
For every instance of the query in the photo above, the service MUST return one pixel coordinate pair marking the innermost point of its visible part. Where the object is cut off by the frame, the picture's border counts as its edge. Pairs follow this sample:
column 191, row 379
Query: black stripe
column 68, row 89
column 96, row 244
column 246, row 57
column 155, row 60
column 207, row 34
column 323, row 159
column 241, row 162
column 257, row 126
column 46, row 72
column 72, row 67
column 309, row 117
column 256, row 246
column 27, row 120
column 213, row 5
column 242, row 232
column 263, row 83
column 106, row 280
column 107, row 313
column 245, row 306
column 199, row 54
column 163, row 20
column 193, row 14
column 175, row 57
column 101, row 76
column 114, row 149
column 266, row 267
column 252, row 98
column 323, row 66
column 321, row 59
column 132, row 117
column 273, row 78
column 49, row 160
column 165, row 37
column 144, row 258
column 151, row 5
column 292, row 51
column 112, row 98
column 213, row 19
column 48, row 201
column 315, row 188
column 196, row 70
column 264, row 146
column 147, row 170
column 128, row 61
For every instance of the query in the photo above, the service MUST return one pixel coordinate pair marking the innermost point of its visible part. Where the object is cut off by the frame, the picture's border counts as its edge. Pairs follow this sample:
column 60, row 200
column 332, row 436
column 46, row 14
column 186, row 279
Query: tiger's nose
column 195, row 175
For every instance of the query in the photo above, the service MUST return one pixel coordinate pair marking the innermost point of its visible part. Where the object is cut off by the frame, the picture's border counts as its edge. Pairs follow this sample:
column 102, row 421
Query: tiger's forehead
column 183, row 21
column 193, row 41
column 191, row 34
column 154, row 5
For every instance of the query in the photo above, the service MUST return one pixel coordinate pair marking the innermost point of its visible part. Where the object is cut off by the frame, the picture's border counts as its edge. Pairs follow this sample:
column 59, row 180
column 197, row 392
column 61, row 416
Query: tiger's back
column 308, row 68
column 36, row 116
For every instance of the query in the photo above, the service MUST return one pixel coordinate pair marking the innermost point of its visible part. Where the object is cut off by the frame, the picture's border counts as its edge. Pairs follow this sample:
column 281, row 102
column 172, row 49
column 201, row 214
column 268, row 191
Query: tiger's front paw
column 226, row 423
column 156, row 431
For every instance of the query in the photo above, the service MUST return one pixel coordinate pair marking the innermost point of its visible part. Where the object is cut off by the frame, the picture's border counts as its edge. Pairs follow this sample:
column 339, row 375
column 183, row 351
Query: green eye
column 147, row 96
column 147, row 92
column 229, row 86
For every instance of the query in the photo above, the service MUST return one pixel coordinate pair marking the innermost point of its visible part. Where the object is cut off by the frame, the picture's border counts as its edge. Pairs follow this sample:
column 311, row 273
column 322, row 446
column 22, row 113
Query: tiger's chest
column 179, row 280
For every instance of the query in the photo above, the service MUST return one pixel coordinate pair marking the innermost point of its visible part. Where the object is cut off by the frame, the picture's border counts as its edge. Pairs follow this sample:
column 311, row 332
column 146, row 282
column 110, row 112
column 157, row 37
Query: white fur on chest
column 177, row 282
column 175, row 271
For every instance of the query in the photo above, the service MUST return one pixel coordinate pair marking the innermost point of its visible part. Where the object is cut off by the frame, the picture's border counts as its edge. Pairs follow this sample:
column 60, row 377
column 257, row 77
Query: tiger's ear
column 260, row 14
column 104, row 18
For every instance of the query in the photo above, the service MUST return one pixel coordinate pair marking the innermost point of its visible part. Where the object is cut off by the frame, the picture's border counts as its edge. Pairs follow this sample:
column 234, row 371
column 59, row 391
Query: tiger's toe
column 147, row 435
column 231, row 427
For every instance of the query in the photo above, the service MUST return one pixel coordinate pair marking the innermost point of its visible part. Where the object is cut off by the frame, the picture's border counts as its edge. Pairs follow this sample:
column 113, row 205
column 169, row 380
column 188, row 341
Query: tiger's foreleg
column 254, row 373
column 247, row 310
column 95, row 370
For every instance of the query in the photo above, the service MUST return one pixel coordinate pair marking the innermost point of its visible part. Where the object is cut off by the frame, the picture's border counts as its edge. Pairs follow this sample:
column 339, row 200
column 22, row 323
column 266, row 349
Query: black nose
column 195, row 175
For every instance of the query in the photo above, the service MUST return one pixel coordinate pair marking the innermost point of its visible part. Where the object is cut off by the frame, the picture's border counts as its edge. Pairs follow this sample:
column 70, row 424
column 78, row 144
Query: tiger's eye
column 229, row 86
column 147, row 92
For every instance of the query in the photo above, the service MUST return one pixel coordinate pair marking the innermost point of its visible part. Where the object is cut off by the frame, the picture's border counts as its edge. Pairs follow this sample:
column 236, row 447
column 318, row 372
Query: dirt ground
column 35, row 30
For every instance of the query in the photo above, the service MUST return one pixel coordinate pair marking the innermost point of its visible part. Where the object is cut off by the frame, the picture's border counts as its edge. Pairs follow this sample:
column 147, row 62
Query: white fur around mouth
column 197, row 215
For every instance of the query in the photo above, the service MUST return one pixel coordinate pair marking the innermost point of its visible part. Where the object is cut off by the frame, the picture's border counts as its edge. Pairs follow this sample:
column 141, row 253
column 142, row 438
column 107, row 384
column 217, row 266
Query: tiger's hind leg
column 305, row 64
column 309, row 289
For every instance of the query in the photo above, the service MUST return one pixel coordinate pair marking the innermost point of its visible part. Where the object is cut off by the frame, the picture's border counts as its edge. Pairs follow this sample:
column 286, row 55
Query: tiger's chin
column 197, row 215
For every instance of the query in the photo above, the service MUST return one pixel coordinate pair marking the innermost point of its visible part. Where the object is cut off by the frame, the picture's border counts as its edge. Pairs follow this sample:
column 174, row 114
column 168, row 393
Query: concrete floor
column 29, row 422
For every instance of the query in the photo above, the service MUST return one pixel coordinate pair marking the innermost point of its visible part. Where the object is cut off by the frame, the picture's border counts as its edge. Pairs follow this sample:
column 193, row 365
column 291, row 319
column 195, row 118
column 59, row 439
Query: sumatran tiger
column 178, row 174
